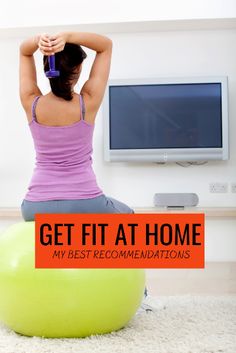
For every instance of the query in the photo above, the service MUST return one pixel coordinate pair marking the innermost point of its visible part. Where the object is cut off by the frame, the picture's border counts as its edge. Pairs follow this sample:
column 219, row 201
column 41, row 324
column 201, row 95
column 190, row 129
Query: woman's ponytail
column 67, row 62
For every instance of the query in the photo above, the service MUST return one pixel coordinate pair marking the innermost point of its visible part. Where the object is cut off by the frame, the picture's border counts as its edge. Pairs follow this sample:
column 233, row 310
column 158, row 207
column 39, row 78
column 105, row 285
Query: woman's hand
column 51, row 44
column 45, row 45
column 58, row 42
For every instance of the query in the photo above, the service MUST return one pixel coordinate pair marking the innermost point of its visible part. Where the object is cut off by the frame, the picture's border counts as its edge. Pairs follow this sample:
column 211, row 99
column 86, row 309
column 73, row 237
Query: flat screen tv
column 166, row 119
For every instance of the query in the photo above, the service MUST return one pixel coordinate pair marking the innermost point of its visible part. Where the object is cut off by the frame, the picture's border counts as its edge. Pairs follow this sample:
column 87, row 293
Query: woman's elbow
column 109, row 43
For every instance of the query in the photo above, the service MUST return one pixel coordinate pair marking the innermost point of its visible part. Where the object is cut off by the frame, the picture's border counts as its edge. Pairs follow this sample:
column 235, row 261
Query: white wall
column 170, row 53
column 155, row 54
column 174, row 54
column 25, row 13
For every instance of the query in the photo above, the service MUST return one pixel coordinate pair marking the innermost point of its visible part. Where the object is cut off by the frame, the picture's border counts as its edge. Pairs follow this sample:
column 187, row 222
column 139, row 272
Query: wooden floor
column 218, row 278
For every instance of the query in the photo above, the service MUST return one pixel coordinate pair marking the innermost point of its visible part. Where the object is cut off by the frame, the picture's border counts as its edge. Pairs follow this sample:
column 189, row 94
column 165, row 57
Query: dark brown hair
column 67, row 62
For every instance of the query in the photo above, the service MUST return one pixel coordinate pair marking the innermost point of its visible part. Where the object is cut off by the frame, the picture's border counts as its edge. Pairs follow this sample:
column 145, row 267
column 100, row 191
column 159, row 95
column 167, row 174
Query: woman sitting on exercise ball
column 62, row 124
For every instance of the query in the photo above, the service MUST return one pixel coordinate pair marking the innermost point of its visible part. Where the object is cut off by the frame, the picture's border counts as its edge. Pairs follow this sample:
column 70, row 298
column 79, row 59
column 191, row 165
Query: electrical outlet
column 233, row 187
column 219, row 187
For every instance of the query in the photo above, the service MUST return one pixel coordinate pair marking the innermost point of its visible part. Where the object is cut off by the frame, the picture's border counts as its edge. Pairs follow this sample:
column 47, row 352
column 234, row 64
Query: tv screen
column 166, row 116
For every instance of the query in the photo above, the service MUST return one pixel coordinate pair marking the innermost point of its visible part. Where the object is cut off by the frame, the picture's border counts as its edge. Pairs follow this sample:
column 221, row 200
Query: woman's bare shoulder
column 28, row 106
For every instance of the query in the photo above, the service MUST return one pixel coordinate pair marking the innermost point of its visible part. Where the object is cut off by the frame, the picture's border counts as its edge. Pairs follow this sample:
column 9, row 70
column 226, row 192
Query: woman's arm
column 92, row 41
column 29, row 46
column 28, row 78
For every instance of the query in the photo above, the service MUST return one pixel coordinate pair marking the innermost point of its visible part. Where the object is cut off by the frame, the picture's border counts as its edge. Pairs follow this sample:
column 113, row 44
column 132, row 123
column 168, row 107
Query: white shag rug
column 182, row 324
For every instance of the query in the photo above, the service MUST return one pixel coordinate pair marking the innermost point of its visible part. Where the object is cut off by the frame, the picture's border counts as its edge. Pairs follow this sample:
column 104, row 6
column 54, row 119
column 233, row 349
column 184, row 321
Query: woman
column 62, row 123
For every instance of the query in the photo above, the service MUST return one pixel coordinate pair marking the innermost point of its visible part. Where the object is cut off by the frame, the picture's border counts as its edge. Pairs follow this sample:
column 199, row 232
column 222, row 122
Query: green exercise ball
column 62, row 302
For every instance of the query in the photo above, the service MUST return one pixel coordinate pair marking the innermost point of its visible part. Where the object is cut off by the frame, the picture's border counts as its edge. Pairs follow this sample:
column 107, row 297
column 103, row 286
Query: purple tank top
column 63, row 168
